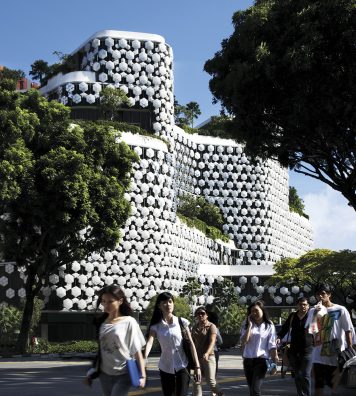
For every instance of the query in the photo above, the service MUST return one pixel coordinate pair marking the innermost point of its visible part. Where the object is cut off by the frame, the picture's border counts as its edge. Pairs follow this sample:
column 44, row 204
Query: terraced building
column 158, row 251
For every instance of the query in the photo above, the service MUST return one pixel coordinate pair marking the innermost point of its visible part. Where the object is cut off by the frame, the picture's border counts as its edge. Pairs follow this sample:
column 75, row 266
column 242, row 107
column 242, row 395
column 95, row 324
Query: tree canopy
column 42, row 71
column 39, row 70
column 338, row 269
column 287, row 75
column 296, row 204
column 112, row 100
column 217, row 126
column 184, row 115
column 61, row 188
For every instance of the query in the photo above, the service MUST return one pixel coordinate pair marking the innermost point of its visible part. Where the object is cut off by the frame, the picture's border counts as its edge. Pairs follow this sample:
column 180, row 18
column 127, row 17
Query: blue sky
column 32, row 30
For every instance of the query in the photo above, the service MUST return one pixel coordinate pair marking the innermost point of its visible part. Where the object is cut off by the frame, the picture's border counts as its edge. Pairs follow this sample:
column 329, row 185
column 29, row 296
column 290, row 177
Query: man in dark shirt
column 301, row 346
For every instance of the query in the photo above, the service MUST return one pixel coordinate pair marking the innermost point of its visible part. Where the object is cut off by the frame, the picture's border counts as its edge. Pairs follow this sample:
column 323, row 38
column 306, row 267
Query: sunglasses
column 200, row 314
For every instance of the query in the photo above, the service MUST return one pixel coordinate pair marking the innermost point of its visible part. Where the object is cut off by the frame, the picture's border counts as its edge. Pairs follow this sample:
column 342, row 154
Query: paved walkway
column 46, row 376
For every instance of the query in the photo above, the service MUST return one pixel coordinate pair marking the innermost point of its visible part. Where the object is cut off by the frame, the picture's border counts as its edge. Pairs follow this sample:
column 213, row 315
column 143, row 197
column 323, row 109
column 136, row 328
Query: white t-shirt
column 331, row 326
column 118, row 343
column 170, row 339
column 262, row 340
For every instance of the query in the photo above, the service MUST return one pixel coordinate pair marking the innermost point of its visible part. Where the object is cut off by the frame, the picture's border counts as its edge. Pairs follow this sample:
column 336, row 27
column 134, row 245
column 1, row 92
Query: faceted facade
column 158, row 252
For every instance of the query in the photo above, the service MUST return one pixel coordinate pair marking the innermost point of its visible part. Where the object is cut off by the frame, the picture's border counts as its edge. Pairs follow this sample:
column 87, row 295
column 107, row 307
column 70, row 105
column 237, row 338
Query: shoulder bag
column 285, row 359
column 186, row 345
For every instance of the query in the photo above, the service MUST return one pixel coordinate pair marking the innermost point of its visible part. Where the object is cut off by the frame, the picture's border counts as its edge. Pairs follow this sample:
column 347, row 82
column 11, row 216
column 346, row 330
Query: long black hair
column 157, row 313
column 265, row 316
column 118, row 294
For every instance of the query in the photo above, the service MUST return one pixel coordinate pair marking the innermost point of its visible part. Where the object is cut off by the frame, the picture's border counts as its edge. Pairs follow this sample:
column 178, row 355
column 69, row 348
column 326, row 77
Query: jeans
column 175, row 384
column 115, row 385
column 301, row 365
column 208, row 369
column 255, row 371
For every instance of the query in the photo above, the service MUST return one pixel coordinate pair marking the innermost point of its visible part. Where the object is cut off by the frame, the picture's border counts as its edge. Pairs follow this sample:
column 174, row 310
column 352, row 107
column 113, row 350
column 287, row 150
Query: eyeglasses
column 200, row 314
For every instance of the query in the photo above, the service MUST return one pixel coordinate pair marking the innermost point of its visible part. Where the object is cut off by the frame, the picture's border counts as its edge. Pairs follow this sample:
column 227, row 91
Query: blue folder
column 134, row 372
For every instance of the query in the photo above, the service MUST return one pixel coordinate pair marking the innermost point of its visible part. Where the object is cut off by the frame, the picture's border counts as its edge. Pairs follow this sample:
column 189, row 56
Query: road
column 58, row 377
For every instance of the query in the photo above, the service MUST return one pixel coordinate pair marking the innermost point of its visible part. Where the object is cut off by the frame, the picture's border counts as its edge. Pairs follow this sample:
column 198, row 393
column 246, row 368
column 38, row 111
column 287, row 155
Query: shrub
column 231, row 319
column 44, row 346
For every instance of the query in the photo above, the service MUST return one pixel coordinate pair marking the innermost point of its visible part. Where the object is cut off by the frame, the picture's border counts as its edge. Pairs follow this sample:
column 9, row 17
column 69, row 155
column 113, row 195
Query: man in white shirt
column 332, row 328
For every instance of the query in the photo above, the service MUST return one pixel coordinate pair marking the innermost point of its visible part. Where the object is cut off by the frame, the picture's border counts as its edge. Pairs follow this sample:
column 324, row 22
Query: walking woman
column 258, row 339
column 301, row 346
column 173, row 362
column 204, row 337
column 120, row 339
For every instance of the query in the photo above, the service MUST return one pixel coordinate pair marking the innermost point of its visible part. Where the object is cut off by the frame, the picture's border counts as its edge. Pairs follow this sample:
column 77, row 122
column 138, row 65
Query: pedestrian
column 204, row 337
column 173, row 362
column 332, row 329
column 120, row 339
column 258, row 340
column 299, row 352
column 213, row 318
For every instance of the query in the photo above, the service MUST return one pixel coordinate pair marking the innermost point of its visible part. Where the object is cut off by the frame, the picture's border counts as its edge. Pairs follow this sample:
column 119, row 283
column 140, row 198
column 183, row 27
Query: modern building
column 158, row 251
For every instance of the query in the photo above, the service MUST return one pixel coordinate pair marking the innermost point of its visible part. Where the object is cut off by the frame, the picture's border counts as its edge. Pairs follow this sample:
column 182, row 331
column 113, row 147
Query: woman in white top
column 173, row 361
column 258, row 339
column 120, row 339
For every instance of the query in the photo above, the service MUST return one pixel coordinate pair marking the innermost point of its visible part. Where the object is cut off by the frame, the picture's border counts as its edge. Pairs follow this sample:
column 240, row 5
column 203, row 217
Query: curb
column 44, row 356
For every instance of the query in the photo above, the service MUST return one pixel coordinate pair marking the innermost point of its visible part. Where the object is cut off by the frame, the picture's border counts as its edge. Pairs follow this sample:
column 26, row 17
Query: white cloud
column 333, row 221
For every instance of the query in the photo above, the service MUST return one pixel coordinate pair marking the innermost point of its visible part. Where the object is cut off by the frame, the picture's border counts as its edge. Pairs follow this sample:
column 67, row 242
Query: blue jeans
column 115, row 385
column 255, row 371
column 301, row 365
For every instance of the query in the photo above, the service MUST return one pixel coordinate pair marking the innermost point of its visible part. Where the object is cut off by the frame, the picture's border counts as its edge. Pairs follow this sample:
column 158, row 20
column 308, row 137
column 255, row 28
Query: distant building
column 24, row 84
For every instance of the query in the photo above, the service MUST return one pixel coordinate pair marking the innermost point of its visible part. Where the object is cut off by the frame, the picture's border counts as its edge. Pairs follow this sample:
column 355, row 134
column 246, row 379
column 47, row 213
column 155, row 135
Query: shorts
column 323, row 375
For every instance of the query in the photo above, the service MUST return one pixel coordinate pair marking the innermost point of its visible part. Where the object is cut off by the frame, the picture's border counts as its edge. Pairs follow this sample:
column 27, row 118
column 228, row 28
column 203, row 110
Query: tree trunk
column 31, row 291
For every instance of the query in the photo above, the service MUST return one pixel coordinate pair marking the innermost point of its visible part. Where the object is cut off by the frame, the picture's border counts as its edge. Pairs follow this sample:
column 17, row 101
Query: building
column 158, row 251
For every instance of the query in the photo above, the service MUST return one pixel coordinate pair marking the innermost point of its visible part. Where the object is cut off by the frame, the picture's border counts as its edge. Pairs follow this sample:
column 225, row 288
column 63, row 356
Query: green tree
column 217, row 126
column 192, row 288
column 287, row 75
column 10, row 319
column 224, row 293
column 11, row 74
column 180, row 118
column 181, row 307
column 338, row 269
column 112, row 101
column 39, row 70
column 296, row 204
column 61, row 189
column 184, row 115
column 192, row 111
column 230, row 319
column 9, row 78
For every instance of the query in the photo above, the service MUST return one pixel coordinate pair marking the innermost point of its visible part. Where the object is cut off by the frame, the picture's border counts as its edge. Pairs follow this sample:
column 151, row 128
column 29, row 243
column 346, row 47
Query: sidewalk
column 41, row 375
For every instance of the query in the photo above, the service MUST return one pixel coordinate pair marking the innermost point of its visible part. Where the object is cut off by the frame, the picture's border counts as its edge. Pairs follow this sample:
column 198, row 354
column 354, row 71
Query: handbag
column 186, row 345
column 134, row 372
column 344, row 356
column 285, row 358
column 286, row 348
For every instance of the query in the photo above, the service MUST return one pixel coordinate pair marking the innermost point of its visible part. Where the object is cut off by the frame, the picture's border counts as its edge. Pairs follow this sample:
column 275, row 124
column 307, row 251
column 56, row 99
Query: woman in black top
column 301, row 346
